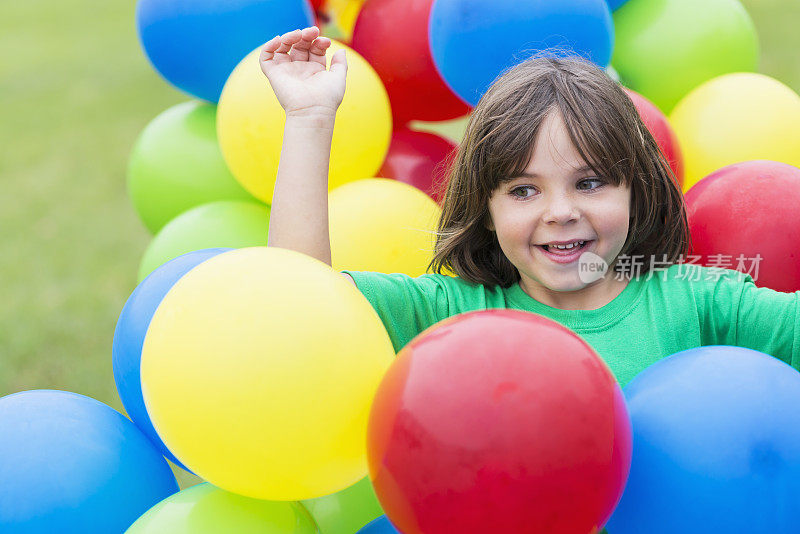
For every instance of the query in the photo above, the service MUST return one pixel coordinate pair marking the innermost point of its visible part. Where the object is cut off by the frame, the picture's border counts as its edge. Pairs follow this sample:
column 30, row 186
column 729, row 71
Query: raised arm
column 310, row 94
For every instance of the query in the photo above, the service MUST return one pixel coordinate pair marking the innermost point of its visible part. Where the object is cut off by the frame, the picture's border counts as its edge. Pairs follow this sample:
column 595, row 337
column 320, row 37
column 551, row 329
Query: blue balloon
column 716, row 445
column 132, row 325
column 473, row 41
column 379, row 526
column 70, row 464
column 613, row 5
column 196, row 44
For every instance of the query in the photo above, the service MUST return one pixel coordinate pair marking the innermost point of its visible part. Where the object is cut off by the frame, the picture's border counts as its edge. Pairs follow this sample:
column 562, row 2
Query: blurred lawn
column 76, row 90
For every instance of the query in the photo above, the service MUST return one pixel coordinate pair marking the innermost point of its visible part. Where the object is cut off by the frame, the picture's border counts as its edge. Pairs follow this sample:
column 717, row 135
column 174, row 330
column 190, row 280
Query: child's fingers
column 287, row 40
column 339, row 63
column 318, row 48
column 307, row 36
column 268, row 50
column 299, row 51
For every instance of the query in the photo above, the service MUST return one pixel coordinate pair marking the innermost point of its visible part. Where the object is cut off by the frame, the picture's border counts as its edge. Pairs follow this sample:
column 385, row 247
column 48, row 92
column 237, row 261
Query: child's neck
column 589, row 297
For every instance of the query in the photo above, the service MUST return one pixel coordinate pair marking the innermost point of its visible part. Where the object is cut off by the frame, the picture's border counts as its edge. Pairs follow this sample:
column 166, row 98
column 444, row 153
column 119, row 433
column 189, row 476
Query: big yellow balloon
column 250, row 123
column 258, row 370
column 734, row 118
column 383, row 225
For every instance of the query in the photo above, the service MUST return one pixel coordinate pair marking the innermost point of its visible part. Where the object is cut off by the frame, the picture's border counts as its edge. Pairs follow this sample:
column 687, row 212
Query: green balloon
column 225, row 223
column 177, row 164
column 665, row 48
column 205, row 509
column 346, row 511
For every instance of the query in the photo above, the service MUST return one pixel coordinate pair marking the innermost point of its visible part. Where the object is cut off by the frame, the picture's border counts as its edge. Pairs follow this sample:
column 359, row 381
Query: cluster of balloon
column 204, row 509
column 381, row 525
column 585, row 26
column 109, row 470
column 69, row 463
column 382, row 225
column 201, row 366
column 201, row 363
column 393, row 36
column 517, row 434
column 735, row 130
column 202, row 175
column 226, row 223
column 250, row 123
column 420, row 159
column 665, row 48
column 716, row 433
column 748, row 212
column 176, row 164
column 178, row 179
column 132, row 325
column 734, row 118
column 345, row 512
column 195, row 45
column 342, row 15
column 228, row 402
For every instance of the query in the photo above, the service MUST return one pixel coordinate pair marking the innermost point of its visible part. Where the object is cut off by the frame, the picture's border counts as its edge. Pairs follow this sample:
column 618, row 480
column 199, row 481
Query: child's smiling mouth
column 565, row 255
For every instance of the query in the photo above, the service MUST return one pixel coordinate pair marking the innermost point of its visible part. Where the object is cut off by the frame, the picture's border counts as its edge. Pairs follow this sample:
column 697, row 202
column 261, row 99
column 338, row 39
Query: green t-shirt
column 657, row 314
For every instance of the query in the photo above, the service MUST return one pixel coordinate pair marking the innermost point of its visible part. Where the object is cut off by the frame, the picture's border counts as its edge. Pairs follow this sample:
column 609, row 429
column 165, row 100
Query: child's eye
column 589, row 180
column 520, row 188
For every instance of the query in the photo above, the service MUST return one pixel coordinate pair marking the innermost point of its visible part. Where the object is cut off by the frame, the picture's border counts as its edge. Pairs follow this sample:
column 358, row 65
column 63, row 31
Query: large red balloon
column 393, row 36
column 749, row 209
column 418, row 159
column 661, row 130
column 498, row 421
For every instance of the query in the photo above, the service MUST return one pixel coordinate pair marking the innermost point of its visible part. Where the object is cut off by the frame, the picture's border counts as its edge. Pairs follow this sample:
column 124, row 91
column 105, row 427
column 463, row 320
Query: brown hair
column 607, row 132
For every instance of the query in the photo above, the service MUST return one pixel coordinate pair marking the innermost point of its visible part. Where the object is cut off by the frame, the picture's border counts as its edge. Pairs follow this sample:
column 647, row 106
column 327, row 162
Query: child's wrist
column 317, row 122
column 315, row 113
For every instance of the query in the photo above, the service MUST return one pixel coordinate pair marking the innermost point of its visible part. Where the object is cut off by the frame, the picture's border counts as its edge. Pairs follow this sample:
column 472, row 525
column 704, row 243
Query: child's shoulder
column 452, row 283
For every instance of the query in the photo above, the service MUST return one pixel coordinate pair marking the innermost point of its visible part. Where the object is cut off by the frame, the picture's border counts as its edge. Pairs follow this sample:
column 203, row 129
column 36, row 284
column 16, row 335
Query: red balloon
column 749, row 209
column 498, row 421
column 418, row 159
column 393, row 36
column 321, row 18
column 661, row 130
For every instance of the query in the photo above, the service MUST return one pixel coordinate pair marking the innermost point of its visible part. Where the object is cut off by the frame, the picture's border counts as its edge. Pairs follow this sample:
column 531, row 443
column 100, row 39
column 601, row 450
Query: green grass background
column 75, row 92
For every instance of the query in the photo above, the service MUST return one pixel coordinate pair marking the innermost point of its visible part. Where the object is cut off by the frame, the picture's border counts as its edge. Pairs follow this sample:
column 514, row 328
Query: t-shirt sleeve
column 406, row 305
column 756, row 318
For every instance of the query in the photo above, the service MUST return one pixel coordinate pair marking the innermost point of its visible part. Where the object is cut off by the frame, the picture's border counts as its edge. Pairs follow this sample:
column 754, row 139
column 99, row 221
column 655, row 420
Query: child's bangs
column 600, row 143
column 513, row 165
column 511, row 152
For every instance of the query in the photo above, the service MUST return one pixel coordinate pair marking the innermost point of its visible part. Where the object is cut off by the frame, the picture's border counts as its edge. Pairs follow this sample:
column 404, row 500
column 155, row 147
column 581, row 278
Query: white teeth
column 567, row 247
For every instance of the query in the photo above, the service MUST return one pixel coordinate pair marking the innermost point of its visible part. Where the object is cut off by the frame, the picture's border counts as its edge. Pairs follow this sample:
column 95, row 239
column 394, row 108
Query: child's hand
column 294, row 63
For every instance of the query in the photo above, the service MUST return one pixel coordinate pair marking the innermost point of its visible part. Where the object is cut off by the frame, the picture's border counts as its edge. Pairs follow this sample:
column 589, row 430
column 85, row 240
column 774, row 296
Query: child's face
column 561, row 200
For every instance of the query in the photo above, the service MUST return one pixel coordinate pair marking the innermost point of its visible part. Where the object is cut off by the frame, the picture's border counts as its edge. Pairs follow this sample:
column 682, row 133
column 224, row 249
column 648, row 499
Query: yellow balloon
column 344, row 14
column 258, row 371
column 383, row 225
column 734, row 118
column 250, row 123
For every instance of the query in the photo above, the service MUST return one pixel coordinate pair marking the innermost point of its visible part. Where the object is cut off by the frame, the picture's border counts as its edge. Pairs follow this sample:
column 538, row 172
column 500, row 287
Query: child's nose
column 560, row 209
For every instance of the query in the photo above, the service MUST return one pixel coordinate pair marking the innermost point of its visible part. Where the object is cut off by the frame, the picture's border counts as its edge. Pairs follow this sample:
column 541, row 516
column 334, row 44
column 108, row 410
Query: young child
column 555, row 155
